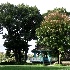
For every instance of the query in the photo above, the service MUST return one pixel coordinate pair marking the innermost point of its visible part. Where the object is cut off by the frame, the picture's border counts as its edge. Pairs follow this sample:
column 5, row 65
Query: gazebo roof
column 34, row 50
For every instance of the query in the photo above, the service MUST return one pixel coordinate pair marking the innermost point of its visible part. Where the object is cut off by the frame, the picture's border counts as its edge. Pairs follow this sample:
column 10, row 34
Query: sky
column 42, row 5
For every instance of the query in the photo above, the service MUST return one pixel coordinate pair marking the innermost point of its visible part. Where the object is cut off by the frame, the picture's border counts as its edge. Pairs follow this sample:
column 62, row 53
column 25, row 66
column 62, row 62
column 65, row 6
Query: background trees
column 54, row 31
column 20, row 22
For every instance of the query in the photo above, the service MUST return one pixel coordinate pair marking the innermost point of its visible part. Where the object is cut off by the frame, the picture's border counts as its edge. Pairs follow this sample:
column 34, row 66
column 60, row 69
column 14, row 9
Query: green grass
column 32, row 67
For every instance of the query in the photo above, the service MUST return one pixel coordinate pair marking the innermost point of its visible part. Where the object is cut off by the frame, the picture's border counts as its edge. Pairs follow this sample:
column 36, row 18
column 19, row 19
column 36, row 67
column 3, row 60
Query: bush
column 12, row 63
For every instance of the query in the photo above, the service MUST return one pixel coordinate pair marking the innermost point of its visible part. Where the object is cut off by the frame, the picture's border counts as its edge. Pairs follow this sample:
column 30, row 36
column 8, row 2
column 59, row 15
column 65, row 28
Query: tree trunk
column 16, row 55
column 25, row 55
column 59, row 57
column 19, row 57
column 26, row 50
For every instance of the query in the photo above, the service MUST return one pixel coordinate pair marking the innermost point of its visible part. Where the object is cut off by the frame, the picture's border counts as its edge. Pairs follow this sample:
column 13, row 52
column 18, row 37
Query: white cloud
column 2, row 48
column 33, row 43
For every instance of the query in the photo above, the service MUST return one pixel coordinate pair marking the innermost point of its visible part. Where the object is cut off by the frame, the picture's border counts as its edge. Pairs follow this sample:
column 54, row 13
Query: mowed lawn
column 33, row 67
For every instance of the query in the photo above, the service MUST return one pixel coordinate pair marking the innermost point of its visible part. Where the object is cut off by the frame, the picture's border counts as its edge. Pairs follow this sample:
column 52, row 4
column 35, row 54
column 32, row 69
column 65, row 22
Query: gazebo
column 41, row 56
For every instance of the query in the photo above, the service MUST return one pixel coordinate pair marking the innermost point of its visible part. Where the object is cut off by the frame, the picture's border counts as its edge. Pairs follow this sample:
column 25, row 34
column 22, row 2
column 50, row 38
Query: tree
column 54, row 31
column 20, row 22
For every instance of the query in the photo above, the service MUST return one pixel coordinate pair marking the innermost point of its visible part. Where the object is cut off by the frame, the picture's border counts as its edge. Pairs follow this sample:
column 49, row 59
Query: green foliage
column 20, row 22
column 54, row 30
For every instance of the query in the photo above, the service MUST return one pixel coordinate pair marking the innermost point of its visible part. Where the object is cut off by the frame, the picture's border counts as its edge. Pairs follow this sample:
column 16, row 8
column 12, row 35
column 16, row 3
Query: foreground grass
column 33, row 67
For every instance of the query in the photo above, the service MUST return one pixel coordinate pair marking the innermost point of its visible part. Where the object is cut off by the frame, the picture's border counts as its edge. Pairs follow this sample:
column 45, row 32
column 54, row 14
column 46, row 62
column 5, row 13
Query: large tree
column 54, row 31
column 20, row 22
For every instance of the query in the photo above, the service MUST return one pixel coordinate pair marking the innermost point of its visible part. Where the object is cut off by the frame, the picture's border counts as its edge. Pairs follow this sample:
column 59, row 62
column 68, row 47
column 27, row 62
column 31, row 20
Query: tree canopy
column 20, row 22
column 54, row 31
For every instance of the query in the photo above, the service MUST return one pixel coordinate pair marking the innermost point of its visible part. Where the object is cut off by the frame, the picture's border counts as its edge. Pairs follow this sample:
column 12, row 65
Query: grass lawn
column 33, row 67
